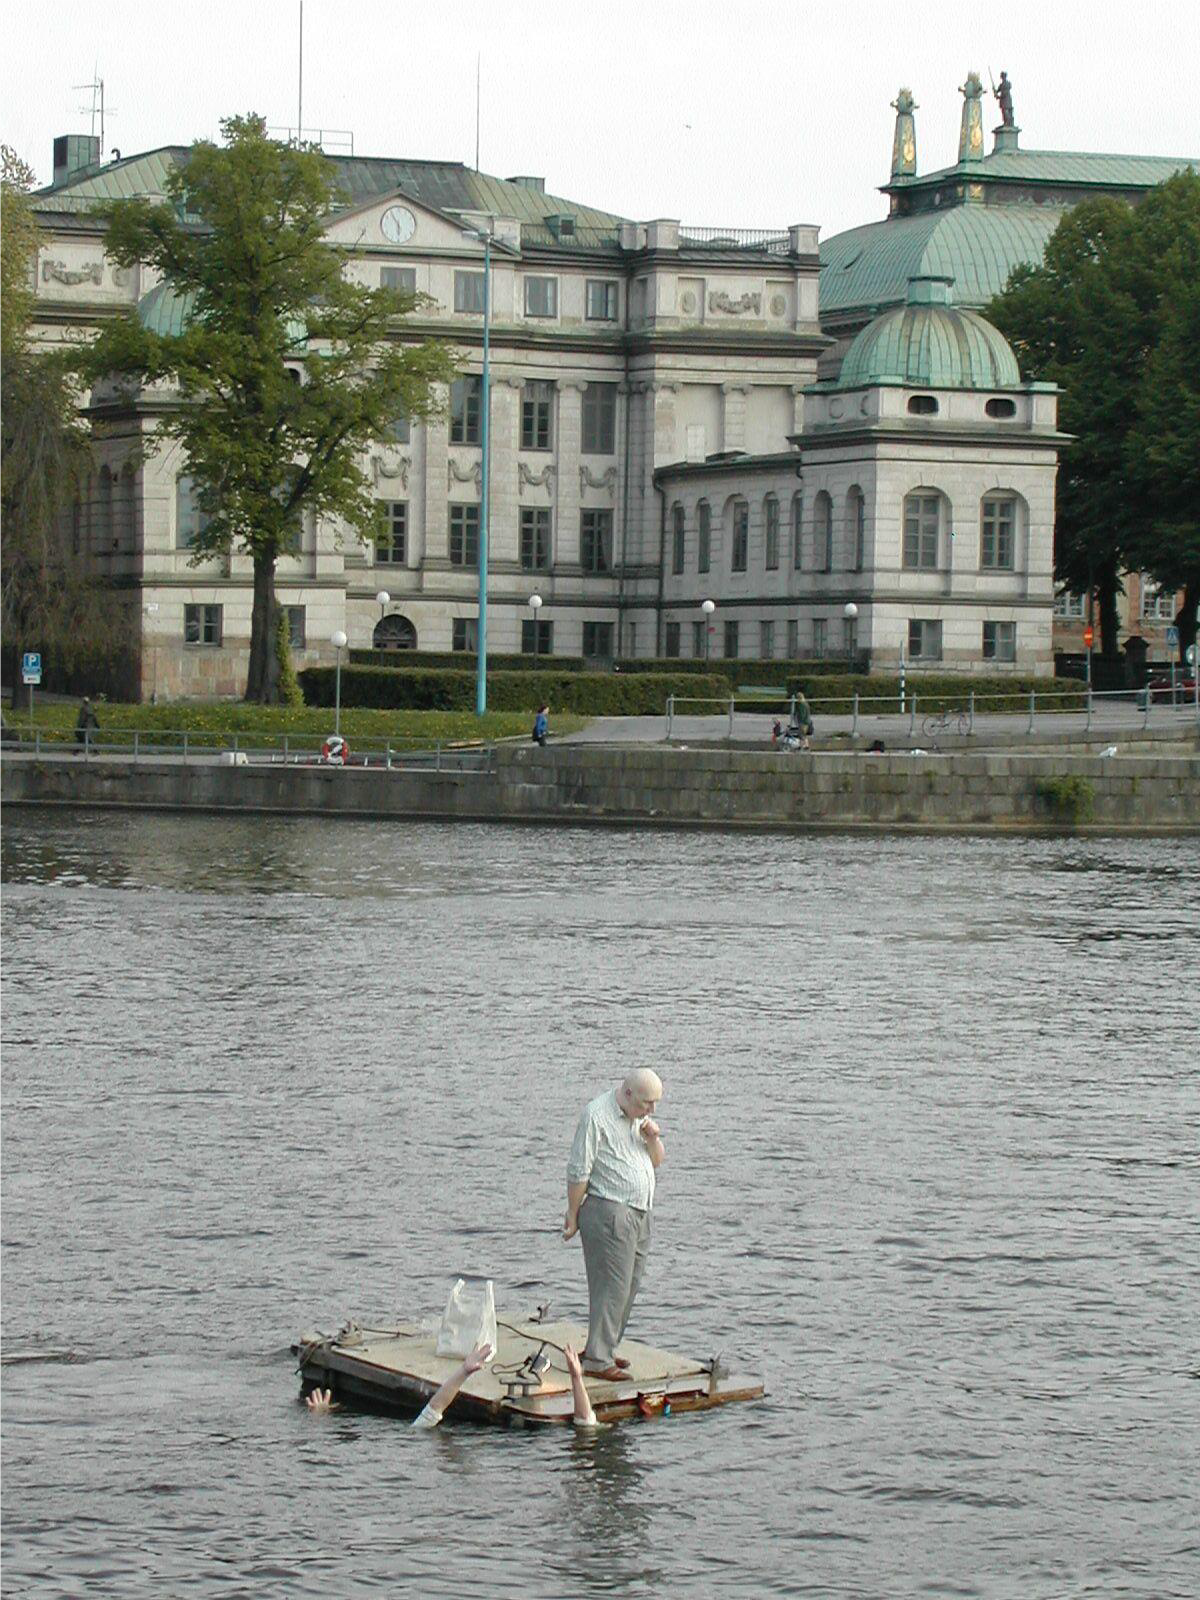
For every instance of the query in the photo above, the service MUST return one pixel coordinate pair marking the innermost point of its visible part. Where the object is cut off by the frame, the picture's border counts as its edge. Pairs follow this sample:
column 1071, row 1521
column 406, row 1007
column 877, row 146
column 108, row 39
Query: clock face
column 398, row 224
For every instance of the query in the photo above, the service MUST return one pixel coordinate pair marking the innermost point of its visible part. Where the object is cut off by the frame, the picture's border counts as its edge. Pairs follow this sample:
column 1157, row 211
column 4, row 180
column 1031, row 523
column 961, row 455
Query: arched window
column 856, row 527
column 922, row 529
column 797, row 532
column 104, row 513
column 394, row 633
column 771, row 531
column 998, row 521
column 677, row 537
column 740, row 546
column 703, row 536
column 923, row 405
column 1001, row 408
column 823, row 515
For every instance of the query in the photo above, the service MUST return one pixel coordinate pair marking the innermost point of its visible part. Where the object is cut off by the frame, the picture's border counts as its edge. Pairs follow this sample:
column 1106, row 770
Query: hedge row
column 598, row 694
column 733, row 671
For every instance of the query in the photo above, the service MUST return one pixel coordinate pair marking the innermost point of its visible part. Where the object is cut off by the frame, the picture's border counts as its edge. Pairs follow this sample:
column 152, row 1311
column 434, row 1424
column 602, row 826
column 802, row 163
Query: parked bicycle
column 947, row 721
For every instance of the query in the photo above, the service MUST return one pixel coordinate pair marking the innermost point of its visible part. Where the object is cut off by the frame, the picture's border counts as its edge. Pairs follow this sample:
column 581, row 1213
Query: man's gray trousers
column 616, row 1242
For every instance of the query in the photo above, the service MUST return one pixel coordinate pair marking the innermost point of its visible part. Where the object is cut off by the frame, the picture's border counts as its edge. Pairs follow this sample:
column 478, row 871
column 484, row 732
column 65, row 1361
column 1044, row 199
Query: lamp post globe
column 850, row 613
column 708, row 607
column 535, row 605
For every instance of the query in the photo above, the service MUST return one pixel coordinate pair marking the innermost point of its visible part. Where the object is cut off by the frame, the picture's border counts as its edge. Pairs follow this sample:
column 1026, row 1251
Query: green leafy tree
column 1071, row 324
column 283, row 370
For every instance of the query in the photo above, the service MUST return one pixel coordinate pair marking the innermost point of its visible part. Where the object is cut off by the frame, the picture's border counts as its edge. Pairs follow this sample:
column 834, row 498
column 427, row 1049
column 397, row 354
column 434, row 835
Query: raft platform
column 397, row 1369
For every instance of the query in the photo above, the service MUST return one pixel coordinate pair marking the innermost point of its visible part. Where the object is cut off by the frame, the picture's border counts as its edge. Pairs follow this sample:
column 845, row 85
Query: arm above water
column 442, row 1398
column 585, row 1417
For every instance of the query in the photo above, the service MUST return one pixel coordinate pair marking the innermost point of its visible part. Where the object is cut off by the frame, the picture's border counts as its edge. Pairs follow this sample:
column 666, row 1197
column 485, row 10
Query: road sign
column 1172, row 638
column 31, row 667
column 1089, row 634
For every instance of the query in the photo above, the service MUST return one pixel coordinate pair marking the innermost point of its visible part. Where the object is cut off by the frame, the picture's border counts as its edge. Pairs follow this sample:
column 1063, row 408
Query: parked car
column 1160, row 688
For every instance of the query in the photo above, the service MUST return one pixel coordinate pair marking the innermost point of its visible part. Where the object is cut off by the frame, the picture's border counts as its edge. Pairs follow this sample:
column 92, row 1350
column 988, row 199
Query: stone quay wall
column 662, row 786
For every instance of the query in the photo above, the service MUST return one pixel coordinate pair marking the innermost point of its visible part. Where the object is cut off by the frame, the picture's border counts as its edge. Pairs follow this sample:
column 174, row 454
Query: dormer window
column 1001, row 408
column 923, row 405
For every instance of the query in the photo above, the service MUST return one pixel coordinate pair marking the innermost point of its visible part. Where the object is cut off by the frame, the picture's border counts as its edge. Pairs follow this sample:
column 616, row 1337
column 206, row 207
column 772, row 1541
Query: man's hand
column 570, row 1225
column 650, row 1129
column 321, row 1400
column 479, row 1357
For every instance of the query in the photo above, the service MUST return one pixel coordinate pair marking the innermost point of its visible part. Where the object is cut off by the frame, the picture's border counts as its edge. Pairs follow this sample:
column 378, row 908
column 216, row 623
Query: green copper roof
column 978, row 246
column 1071, row 167
column 930, row 343
column 164, row 311
column 441, row 185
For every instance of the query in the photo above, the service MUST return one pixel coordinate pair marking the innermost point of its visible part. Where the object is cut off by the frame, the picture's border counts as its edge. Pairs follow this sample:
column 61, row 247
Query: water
column 931, row 1112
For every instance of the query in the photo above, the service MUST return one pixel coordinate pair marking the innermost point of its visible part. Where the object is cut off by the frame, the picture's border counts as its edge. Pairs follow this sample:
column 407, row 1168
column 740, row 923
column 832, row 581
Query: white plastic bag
column 469, row 1318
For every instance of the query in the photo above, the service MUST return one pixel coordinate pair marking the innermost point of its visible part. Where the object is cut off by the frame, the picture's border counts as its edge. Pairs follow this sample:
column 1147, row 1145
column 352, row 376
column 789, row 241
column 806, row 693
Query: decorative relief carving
column 718, row 300
column 61, row 273
column 122, row 277
column 536, row 480
column 687, row 303
column 778, row 305
column 471, row 473
column 606, row 480
column 387, row 465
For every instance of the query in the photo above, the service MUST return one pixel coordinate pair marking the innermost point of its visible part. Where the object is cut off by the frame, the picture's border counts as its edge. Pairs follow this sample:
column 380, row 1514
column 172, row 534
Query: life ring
column 335, row 752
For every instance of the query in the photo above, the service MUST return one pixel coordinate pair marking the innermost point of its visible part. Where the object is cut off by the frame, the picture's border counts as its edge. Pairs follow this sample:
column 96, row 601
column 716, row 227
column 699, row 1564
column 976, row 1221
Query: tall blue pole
column 485, row 423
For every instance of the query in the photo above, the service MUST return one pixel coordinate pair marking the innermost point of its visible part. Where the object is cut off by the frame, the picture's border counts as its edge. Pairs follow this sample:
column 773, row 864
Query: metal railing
column 776, row 241
column 250, row 748
column 942, row 713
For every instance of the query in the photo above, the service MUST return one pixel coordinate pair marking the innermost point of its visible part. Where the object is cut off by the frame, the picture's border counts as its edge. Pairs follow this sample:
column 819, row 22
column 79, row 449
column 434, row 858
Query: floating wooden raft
column 398, row 1369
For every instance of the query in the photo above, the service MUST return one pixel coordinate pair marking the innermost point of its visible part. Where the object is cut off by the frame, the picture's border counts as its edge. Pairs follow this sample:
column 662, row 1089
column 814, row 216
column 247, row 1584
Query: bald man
column 610, row 1191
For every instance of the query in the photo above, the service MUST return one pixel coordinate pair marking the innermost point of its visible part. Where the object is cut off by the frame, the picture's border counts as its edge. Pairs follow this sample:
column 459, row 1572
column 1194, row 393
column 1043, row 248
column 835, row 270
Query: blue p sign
column 31, row 667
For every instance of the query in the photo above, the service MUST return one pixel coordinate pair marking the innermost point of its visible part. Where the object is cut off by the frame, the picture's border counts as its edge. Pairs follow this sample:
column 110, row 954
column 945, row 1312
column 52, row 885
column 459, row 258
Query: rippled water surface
column 931, row 1111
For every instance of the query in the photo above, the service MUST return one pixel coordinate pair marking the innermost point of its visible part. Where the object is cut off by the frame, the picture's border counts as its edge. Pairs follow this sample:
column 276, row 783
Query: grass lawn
column 215, row 722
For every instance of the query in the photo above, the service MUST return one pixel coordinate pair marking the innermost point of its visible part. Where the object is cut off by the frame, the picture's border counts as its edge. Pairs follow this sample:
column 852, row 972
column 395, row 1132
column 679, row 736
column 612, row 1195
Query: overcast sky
column 711, row 111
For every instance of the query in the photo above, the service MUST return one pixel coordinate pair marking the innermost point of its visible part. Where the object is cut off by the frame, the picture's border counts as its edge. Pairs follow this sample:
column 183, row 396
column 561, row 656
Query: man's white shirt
column 610, row 1155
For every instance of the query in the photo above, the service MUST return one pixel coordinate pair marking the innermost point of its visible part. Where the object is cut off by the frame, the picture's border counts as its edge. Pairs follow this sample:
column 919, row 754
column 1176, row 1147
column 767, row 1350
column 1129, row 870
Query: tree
column 1070, row 324
column 49, row 602
column 284, row 370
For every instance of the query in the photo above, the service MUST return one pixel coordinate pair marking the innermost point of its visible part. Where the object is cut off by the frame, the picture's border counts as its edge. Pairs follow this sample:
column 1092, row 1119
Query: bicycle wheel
column 962, row 723
column 933, row 725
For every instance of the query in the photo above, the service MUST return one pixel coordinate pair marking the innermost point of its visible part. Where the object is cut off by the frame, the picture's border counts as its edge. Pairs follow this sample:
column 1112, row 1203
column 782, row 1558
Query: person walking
column 541, row 725
column 611, row 1174
column 87, row 724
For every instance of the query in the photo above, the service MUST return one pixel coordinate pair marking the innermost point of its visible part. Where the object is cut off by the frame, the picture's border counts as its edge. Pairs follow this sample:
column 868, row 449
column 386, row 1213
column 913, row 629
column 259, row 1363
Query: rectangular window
column 860, row 532
column 671, row 641
column 998, row 541
column 1157, row 604
column 402, row 278
column 535, row 538
column 466, row 399
column 793, row 640
column 399, row 431
column 771, row 535
column 1069, row 605
column 678, row 538
column 820, row 636
column 391, row 546
column 295, row 627
column 468, row 292
column 598, row 640
column 630, row 640
column 599, row 419
column 741, row 538
column 464, row 535
column 537, row 638
column 924, row 640
column 595, row 541
column 464, row 634
column 797, row 533
column 601, row 300
column 999, row 641
column 537, row 416
column 202, row 625
column 699, row 640
column 190, row 521
column 703, row 536
column 921, row 521
column 731, row 641
column 766, row 641
column 541, row 297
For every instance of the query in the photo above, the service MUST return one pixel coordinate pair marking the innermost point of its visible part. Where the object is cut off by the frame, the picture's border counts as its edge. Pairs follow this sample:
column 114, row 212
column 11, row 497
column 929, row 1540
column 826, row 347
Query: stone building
column 913, row 521
column 615, row 346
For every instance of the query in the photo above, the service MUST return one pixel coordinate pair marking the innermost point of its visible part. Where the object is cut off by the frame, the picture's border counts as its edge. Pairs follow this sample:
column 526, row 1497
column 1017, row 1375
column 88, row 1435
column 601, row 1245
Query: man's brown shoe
column 605, row 1374
column 620, row 1361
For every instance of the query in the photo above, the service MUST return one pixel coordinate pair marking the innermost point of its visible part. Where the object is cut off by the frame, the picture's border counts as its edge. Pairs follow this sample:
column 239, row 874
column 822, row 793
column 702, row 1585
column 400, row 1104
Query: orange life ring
column 335, row 752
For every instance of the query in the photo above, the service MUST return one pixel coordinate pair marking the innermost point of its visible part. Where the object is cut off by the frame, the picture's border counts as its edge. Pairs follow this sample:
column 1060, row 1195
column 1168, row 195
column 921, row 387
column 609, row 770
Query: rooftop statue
column 1003, row 93
column 904, row 145
column 970, row 139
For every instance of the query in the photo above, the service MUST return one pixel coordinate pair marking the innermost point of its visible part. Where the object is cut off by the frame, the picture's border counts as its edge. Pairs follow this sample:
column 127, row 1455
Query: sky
column 708, row 111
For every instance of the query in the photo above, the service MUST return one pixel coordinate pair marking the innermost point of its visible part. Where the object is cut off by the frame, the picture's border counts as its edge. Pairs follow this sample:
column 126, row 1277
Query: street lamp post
column 535, row 605
column 850, row 613
column 485, row 237
column 338, row 641
column 708, row 607
column 383, row 600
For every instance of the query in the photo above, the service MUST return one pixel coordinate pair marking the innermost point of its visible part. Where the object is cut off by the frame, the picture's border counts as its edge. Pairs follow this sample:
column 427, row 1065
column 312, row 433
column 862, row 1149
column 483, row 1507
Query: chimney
column 73, row 152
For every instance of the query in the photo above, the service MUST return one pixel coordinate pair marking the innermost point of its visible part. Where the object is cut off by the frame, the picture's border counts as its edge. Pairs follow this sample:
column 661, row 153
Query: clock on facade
column 398, row 224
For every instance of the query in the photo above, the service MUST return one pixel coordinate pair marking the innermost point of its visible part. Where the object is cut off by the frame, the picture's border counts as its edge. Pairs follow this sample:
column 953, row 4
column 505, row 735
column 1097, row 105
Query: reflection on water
column 931, row 1107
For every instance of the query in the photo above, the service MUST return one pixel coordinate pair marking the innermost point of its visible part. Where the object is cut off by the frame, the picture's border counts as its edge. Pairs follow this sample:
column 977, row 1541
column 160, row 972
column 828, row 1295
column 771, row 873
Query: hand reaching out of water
column 321, row 1400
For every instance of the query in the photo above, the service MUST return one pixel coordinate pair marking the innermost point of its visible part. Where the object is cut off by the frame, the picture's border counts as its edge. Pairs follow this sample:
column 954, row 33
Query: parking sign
column 31, row 667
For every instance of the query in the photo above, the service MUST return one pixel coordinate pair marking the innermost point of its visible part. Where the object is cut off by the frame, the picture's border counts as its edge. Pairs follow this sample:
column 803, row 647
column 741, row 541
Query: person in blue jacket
column 541, row 725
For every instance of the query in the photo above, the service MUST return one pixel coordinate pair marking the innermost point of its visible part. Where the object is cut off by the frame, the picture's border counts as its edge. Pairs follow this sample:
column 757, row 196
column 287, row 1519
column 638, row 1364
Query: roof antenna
column 477, row 61
column 300, row 85
column 97, row 107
